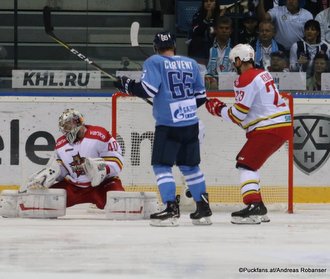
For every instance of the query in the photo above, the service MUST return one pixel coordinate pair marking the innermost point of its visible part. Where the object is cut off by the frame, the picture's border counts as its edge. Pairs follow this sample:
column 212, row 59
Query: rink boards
column 29, row 130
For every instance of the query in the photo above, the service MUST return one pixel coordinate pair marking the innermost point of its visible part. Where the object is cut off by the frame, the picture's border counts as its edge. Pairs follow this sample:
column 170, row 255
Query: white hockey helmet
column 70, row 123
column 244, row 52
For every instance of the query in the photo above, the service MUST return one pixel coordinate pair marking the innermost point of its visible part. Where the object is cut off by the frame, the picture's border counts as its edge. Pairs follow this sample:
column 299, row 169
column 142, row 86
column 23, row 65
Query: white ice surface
column 83, row 245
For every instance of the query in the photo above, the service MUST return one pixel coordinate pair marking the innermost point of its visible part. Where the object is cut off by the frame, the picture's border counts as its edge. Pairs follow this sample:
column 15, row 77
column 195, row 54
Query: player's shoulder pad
column 61, row 141
column 97, row 132
column 247, row 77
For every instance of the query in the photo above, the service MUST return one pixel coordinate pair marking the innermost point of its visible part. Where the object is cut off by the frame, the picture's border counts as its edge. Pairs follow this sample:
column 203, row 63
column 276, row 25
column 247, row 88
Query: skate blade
column 251, row 220
column 170, row 222
column 205, row 221
column 264, row 218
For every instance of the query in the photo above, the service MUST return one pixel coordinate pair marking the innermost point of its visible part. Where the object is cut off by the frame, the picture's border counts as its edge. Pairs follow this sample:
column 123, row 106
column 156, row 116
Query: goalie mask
column 70, row 123
column 164, row 41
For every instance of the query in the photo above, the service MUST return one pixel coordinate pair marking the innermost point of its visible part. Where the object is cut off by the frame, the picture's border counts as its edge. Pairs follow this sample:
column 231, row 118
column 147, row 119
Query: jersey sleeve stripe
column 242, row 108
column 149, row 89
column 233, row 117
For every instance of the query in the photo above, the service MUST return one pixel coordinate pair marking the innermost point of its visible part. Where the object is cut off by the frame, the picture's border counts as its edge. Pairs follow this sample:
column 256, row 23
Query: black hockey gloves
column 124, row 84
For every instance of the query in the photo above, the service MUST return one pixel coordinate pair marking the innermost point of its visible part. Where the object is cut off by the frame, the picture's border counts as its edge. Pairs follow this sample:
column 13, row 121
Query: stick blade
column 134, row 33
column 47, row 20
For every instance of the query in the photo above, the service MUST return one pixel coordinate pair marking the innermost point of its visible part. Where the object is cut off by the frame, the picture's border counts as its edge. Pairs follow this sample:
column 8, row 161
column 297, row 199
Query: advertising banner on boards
column 56, row 79
column 30, row 128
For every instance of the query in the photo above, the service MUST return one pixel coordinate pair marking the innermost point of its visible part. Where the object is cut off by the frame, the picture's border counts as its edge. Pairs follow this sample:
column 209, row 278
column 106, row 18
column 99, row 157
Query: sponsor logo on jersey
column 184, row 110
column 311, row 141
column 98, row 134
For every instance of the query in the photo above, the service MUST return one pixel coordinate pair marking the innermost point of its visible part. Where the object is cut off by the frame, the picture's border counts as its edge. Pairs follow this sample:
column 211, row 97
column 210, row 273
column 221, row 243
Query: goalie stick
column 49, row 29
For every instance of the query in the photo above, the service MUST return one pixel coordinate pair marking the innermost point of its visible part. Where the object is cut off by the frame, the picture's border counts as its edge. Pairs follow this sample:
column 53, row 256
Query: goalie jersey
column 174, row 83
column 258, row 104
column 97, row 143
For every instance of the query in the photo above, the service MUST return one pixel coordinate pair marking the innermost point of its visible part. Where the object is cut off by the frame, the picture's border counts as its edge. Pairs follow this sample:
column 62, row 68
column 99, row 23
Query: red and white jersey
column 258, row 104
column 97, row 143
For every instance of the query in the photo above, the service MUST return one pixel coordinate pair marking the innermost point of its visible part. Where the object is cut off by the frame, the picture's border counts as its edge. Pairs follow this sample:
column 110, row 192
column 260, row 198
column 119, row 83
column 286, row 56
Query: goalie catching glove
column 214, row 106
column 124, row 84
column 96, row 169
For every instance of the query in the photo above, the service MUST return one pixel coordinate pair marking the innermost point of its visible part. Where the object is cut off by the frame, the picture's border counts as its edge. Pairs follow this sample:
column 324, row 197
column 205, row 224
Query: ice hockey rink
column 86, row 245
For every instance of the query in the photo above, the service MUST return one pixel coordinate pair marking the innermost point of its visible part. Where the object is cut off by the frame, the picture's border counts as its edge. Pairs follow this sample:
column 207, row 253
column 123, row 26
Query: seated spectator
column 324, row 19
column 289, row 21
column 219, row 52
column 249, row 32
column 303, row 51
column 202, row 35
column 265, row 44
column 278, row 62
column 320, row 65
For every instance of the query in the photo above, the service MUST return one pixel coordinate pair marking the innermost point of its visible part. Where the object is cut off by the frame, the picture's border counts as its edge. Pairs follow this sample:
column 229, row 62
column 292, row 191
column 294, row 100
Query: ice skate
column 168, row 217
column 254, row 213
column 203, row 212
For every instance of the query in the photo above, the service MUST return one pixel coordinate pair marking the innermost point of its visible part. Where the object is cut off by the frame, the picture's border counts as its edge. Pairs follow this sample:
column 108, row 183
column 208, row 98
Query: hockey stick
column 49, row 29
column 134, row 33
column 134, row 36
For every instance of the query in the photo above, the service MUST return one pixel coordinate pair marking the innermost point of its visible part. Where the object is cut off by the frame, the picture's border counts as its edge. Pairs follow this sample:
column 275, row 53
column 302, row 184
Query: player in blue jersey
column 176, row 87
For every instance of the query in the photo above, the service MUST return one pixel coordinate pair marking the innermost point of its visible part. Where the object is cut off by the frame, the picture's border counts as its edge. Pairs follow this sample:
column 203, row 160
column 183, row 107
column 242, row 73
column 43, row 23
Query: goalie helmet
column 70, row 123
column 163, row 41
column 244, row 52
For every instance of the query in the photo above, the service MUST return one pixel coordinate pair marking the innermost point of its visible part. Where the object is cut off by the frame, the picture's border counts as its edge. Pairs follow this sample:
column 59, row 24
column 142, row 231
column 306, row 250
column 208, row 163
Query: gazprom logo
column 311, row 141
column 179, row 114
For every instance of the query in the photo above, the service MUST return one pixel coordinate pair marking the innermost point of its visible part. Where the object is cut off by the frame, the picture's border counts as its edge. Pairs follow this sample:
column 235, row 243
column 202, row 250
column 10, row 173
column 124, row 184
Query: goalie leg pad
column 45, row 203
column 8, row 203
column 130, row 205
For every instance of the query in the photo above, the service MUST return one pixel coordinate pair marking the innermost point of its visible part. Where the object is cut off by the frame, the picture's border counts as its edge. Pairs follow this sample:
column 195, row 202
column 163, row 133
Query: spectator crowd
column 287, row 35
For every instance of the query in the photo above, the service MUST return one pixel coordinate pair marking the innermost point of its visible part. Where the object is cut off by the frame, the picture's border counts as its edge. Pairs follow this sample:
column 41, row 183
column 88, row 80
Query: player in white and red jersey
column 88, row 162
column 260, row 110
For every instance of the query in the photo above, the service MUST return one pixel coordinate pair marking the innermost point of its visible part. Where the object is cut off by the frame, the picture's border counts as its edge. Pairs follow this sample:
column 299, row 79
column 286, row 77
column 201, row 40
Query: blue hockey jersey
column 174, row 83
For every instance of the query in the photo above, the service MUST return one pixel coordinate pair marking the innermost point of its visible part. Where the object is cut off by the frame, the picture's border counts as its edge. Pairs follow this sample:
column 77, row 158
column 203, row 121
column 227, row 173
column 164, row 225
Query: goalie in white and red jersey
column 88, row 162
column 260, row 110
